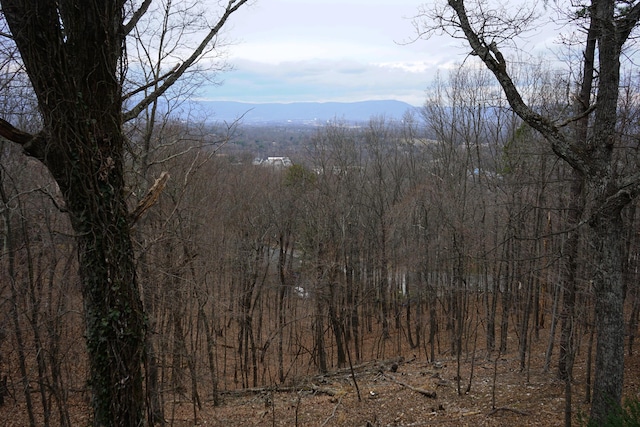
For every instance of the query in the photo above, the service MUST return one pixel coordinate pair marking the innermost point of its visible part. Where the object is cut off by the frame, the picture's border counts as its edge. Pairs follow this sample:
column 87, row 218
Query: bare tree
column 607, row 190
column 73, row 53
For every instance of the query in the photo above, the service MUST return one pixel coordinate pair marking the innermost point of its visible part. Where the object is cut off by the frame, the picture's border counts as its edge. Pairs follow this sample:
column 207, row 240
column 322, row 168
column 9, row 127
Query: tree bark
column 609, row 316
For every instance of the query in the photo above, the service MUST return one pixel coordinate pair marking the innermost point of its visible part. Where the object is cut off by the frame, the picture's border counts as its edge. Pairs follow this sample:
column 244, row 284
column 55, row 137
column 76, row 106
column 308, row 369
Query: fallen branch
column 427, row 393
column 325, row 390
column 259, row 390
column 505, row 408
column 333, row 414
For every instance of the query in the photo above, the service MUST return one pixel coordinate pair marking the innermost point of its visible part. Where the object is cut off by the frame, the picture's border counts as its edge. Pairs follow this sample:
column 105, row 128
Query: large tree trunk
column 92, row 183
column 74, row 72
column 113, row 312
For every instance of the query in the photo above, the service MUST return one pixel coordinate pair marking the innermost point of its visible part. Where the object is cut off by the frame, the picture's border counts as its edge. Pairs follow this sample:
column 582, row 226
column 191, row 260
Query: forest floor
column 406, row 391
column 403, row 397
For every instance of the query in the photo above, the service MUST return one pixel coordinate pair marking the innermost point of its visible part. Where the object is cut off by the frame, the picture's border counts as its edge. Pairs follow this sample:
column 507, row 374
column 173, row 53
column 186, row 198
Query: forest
column 148, row 265
column 442, row 236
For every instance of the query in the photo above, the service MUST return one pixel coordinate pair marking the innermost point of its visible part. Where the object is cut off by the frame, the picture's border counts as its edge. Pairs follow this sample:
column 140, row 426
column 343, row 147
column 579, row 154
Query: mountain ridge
column 303, row 112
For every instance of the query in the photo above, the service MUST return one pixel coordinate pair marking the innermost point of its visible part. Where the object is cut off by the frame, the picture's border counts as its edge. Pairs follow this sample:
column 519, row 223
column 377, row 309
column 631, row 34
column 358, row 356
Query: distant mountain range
column 303, row 112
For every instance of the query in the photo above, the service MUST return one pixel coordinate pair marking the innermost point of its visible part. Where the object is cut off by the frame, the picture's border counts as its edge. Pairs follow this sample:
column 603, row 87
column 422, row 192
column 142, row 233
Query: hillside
column 407, row 392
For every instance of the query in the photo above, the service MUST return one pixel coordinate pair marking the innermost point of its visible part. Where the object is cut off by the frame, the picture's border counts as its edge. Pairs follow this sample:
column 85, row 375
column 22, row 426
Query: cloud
column 328, row 50
column 323, row 80
column 335, row 50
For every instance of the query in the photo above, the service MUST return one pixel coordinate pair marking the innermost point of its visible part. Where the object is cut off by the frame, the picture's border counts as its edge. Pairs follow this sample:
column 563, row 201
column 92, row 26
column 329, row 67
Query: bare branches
column 232, row 6
column 627, row 23
column 333, row 414
column 574, row 119
column 493, row 22
column 151, row 83
column 489, row 53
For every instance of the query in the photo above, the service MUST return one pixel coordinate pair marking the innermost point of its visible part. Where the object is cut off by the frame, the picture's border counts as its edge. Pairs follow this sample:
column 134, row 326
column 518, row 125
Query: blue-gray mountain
column 303, row 112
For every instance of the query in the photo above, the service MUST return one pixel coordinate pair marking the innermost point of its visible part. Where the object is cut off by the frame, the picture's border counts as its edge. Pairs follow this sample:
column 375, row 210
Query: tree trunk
column 155, row 412
column 552, row 328
column 569, row 268
column 113, row 312
column 320, row 351
column 282, row 291
column 9, row 249
column 336, row 324
column 74, row 73
column 609, row 299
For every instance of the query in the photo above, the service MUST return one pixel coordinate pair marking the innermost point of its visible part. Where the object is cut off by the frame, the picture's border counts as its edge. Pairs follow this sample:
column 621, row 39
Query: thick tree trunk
column 72, row 56
column 93, row 191
column 88, row 166
column 113, row 312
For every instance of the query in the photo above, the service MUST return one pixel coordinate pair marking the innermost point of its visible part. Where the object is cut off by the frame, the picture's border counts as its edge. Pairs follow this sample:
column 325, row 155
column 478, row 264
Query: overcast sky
column 330, row 50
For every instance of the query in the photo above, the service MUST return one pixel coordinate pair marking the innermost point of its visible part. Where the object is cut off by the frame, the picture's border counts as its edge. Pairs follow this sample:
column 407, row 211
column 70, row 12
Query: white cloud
column 321, row 80
column 342, row 50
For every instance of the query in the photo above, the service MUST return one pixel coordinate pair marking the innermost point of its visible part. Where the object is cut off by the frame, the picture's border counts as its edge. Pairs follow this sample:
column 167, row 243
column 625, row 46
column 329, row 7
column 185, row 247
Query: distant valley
column 311, row 113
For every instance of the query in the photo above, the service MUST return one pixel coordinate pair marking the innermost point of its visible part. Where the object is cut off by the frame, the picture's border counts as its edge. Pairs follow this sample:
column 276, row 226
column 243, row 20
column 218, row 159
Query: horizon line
column 204, row 99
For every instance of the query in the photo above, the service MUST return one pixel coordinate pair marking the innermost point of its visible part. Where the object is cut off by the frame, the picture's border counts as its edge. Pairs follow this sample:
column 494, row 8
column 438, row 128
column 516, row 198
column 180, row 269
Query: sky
column 330, row 50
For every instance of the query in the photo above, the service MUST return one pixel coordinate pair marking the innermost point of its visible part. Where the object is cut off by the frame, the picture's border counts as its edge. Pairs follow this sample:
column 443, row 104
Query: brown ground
column 388, row 400
column 393, row 398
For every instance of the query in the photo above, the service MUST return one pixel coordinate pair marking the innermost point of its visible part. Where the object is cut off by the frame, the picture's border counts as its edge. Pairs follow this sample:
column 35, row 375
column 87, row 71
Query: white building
column 276, row 162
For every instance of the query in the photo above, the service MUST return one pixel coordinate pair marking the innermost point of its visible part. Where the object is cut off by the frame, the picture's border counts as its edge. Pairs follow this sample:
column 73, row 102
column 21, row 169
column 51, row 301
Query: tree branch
column 150, row 84
column 580, row 116
column 494, row 61
column 13, row 134
column 427, row 393
column 136, row 16
column 232, row 6
column 626, row 24
column 33, row 145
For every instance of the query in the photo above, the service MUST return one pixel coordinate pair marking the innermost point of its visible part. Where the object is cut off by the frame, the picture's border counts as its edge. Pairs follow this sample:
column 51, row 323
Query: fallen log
column 305, row 388
column 427, row 393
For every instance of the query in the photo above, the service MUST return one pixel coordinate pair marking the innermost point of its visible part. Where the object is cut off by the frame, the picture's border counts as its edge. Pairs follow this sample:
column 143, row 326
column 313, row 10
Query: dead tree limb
column 428, row 393
column 150, row 198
